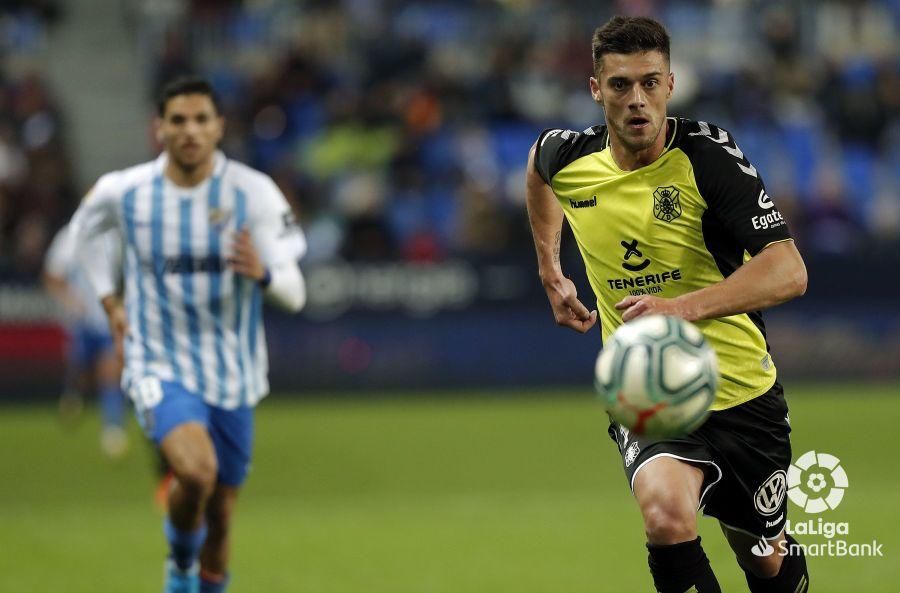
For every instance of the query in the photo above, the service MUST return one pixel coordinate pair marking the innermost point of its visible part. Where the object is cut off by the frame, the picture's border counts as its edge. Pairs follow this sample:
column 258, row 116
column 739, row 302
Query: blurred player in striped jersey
column 92, row 362
column 205, row 240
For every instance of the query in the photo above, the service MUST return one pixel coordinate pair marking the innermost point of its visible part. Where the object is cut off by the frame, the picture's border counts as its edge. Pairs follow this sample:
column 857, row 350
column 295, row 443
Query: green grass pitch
column 417, row 495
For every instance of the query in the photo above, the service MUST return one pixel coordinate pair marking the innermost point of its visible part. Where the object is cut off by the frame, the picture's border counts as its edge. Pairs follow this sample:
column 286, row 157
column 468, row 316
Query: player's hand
column 118, row 323
column 245, row 259
column 567, row 309
column 73, row 306
column 633, row 307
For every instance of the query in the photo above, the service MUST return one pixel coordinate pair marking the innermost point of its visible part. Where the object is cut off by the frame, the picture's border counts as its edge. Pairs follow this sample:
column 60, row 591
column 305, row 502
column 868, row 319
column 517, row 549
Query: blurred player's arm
column 545, row 216
column 58, row 288
column 57, row 265
column 282, row 282
column 96, row 238
column 775, row 275
column 108, row 248
column 267, row 251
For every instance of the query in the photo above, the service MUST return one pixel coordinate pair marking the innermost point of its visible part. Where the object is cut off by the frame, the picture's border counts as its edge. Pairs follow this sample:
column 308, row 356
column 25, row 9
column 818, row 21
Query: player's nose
column 191, row 128
column 637, row 96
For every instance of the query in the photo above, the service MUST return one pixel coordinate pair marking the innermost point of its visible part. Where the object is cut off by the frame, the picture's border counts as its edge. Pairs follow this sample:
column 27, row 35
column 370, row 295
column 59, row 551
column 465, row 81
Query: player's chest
column 181, row 223
column 617, row 216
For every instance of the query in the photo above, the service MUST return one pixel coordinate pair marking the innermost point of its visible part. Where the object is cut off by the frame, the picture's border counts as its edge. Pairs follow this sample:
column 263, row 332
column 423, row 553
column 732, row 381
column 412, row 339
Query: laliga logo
column 816, row 482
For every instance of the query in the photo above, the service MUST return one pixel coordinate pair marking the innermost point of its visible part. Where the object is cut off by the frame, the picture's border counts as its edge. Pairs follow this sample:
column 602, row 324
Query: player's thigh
column 753, row 440
column 177, row 421
column 189, row 451
column 670, row 486
column 669, row 478
column 760, row 556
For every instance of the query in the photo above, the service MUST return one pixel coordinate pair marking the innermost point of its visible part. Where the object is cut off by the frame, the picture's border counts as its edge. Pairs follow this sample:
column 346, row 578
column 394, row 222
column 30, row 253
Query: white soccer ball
column 657, row 376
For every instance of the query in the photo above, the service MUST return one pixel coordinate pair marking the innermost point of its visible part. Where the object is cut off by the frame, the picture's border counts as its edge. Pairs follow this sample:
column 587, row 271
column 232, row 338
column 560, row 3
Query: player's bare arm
column 546, row 218
column 775, row 275
column 118, row 321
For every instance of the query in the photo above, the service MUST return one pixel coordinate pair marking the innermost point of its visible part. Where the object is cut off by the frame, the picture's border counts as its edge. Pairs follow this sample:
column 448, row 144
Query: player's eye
column 618, row 85
column 651, row 83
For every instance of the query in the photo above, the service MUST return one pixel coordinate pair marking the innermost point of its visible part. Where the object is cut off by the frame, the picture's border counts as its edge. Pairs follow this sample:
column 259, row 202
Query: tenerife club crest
column 666, row 205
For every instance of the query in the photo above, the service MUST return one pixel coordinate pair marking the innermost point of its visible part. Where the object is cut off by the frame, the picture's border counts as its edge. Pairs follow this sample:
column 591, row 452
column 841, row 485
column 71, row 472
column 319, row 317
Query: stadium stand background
column 398, row 130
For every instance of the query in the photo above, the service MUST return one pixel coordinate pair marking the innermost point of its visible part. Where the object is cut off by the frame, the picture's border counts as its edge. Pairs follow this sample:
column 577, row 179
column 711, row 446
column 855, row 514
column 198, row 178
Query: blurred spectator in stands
column 399, row 129
column 36, row 184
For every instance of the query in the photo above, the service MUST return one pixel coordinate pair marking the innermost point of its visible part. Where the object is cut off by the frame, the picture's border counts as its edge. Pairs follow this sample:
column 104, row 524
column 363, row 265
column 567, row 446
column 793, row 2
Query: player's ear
column 595, row 91
column 157, row 130
column 670, row 82
column 221, row 134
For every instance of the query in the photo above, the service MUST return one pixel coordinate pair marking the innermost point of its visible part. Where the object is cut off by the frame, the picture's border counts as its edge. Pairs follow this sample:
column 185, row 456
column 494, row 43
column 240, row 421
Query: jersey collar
column 671, row 132
column 219, row 160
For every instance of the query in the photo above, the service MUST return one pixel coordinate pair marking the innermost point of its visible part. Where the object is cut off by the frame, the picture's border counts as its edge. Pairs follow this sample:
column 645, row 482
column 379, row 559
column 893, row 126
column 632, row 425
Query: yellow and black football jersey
column 679, row 224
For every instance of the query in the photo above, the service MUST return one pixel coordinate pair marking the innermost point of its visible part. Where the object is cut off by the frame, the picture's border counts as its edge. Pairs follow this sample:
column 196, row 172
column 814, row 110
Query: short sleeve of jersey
column 58, row 261
column 275, row 231
column 95, row 236
column 734, row 191
column 97, row 212
column 556, row 148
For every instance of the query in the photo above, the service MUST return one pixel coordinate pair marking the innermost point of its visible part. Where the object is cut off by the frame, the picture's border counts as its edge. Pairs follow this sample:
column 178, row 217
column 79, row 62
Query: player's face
column 633, row 90
column 190, row 130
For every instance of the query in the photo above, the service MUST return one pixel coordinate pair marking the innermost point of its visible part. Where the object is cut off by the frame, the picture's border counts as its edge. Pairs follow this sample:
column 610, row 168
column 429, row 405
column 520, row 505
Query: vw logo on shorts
column 771, row 493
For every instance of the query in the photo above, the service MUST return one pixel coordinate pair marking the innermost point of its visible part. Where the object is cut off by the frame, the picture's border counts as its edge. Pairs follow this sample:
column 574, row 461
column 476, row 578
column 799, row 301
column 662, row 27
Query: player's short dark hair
column 186, row 85
column 629, row 35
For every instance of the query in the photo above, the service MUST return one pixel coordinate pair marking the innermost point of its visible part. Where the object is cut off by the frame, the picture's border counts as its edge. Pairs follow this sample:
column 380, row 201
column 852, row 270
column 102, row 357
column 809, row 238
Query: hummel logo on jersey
column 583, row 203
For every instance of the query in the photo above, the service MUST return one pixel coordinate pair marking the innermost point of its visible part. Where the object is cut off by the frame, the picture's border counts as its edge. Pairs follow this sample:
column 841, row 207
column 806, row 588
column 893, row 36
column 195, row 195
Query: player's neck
column 189, row 176
column 629, row 160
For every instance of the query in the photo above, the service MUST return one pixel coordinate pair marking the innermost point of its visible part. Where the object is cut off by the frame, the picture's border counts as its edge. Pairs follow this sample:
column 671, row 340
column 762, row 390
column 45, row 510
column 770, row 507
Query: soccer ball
column 657, row 376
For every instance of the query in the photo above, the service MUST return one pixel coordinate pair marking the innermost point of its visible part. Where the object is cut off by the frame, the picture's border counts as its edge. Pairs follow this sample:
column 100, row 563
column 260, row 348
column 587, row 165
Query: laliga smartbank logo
column 816, row 483
column 824, row 483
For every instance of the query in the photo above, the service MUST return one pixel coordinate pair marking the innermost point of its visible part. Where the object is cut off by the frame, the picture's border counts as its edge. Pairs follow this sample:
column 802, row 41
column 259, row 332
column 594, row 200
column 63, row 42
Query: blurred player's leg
column 189, row 452
column 113, row 439
column 71, row 401
column 668, row 493
column 773, row 573
column 215, row 552
column 232, row 435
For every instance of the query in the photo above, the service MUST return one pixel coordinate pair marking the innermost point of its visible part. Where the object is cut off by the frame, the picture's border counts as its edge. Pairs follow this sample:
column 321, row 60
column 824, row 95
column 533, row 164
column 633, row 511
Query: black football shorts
column 744, row 451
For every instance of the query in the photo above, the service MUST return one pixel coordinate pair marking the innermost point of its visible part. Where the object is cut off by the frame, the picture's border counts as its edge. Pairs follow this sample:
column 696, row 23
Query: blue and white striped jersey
column 191, row 319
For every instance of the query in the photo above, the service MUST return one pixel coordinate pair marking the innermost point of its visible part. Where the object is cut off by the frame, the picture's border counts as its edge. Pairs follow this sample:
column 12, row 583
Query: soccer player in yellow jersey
column 670, row 217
